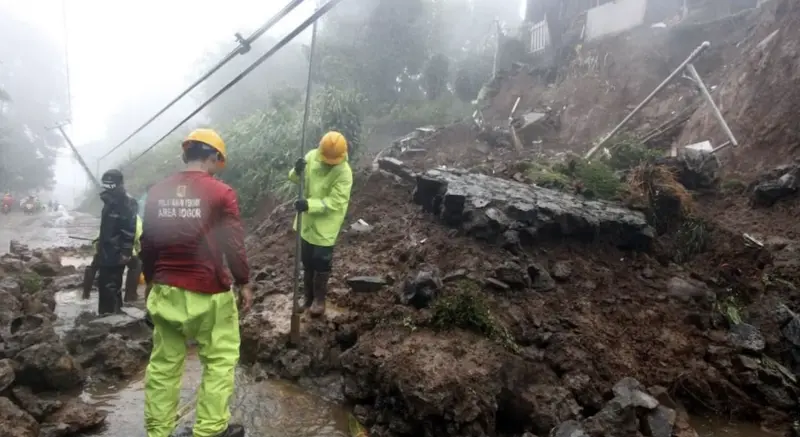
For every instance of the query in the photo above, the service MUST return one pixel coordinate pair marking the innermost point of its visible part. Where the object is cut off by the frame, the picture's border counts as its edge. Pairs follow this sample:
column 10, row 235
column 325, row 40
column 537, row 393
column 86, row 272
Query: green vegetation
column 467, row 309
column 31, row 282
column 693, row 237
column 628, row 153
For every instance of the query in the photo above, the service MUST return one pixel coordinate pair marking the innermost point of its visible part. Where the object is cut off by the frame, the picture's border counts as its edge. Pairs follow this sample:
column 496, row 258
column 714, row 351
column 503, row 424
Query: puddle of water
column 273, row 408
column 719, row 427
column 76, row 261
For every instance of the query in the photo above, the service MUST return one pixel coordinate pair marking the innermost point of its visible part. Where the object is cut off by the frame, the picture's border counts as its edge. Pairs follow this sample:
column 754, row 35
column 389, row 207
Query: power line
column 242, row 48
column 314, row 17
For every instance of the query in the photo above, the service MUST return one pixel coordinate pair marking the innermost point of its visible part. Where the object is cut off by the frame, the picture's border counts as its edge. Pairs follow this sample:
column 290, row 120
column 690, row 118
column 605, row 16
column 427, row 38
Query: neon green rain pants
column 213, row 321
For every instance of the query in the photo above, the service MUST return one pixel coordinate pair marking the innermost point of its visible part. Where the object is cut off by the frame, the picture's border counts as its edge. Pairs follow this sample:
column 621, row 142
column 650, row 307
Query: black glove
column 300, row 166
column 301, row 205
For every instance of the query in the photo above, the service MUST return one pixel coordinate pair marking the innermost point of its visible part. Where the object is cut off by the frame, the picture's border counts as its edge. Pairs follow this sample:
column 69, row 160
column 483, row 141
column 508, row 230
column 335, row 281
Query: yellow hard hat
column 210, row 138
column 333, row 148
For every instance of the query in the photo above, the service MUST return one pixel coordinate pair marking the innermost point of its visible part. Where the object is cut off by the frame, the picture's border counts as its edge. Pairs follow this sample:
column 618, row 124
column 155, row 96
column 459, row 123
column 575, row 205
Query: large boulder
column 48, row 366
column 507, row 212
column 73, row 417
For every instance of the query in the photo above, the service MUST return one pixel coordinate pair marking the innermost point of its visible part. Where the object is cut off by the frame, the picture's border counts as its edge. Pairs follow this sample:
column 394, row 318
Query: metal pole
column 242, row 48
column 78, row 156
column 647, row 99
column 319, row 13
column 294, row 332
column 717, row 113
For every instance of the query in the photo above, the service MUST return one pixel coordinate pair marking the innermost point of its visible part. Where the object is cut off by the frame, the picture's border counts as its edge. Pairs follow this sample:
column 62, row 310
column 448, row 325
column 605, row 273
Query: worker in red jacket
column 191, row 228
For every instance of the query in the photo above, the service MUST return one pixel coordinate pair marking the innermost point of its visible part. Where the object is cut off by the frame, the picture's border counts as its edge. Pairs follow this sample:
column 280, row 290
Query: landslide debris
column 440, row 326
column 41, row 374
column 39, row 378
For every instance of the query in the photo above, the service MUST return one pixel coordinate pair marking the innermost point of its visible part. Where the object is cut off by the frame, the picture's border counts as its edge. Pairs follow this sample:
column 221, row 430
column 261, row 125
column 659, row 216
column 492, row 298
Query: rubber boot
column 308, row 290
column 132, row 280
column 233, row 431
column 88, row 281
column 320, row 291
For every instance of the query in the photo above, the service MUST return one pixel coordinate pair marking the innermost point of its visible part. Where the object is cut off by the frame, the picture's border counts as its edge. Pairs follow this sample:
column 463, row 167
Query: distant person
column 115, row 244
column 191, row 228
column 328, row 182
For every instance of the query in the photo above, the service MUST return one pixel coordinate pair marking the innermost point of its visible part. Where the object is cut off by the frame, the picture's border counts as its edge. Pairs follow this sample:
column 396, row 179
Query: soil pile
column 439, row 326
column 39, row 380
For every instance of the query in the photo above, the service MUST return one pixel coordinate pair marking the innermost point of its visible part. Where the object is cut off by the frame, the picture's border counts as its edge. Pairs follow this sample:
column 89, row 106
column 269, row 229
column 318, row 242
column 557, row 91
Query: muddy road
column 265, row 406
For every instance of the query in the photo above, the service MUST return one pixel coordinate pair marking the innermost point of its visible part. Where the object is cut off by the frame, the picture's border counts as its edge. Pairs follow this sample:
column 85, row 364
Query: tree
column 33, row 99
column 435, row 76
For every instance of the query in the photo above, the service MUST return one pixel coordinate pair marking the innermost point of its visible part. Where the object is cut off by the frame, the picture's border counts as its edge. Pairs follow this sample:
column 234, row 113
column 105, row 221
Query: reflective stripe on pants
column 213, row 321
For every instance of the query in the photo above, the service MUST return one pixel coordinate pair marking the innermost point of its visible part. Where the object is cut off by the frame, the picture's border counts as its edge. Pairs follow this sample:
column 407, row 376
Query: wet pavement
column 265, row 407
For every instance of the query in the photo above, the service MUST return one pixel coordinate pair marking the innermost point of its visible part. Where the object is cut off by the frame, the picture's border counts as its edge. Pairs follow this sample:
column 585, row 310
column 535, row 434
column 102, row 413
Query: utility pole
column 498, row 36
column 78, row 156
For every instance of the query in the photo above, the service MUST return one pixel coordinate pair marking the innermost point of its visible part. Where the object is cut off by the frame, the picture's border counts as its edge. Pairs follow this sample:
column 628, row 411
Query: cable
column 314, row 17
column 242, row 48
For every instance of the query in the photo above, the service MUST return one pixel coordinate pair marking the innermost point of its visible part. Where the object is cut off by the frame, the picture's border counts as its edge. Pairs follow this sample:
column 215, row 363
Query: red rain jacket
column 190, row 226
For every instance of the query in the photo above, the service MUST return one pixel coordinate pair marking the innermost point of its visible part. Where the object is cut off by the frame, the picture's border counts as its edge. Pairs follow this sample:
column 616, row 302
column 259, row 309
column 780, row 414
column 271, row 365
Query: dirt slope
column 760, row 95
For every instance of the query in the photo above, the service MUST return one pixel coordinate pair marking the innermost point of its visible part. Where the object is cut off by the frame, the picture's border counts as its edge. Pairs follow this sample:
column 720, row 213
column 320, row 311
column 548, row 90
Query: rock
column 777, row 184
column 549, row 405
column 659, row 422
column 7, row 375
column 68, row 282
column 419, row 291
column 46, row 269
column 695, row 169
column 540, row 277
column 11, row 307
column 746, row 337
column 29, row 330
column 662, row 396
column 486, row 207
column 366, row 284
column 496, row 284
column 35, row 406
column 19, row 249
column 120, row 357
column 689, row 290
column 514, row 275
column 398, row 168
column 73, row 417
column 16, row 423
column 455, row 275
column 570, row 428
column 631, row 392
column 791, row 331
column 562, row 270
column 48, row 366
column 616, row 418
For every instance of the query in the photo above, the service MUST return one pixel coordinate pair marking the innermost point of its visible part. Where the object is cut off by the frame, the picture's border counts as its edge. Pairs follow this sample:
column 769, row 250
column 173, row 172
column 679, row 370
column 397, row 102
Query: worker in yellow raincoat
column 328, row 181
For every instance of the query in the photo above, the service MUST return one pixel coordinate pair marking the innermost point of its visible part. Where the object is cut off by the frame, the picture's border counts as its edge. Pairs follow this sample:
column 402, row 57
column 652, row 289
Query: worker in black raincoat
column 116, row 241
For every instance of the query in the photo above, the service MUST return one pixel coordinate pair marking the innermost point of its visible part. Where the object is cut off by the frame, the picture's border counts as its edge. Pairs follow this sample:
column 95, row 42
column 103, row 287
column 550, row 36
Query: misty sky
column 119, row 49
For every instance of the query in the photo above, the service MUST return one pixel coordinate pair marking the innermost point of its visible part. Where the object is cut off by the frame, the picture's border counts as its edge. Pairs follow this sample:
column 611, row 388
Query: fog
column 112, row 65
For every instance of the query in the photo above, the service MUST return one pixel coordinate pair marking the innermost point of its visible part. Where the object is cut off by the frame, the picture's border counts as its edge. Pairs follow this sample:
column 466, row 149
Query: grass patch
column 733, row 186
column 547, row 177
column 31, row 282
column 630, row 153
column 693, row 237
column 467, row 309
column 597, row 180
